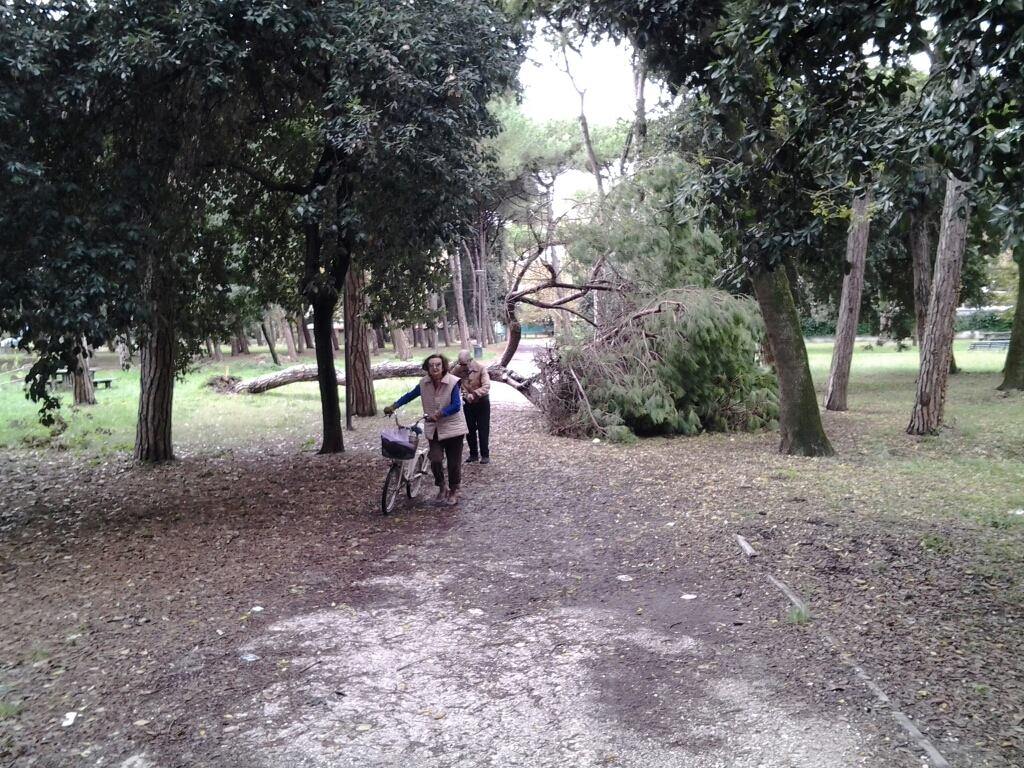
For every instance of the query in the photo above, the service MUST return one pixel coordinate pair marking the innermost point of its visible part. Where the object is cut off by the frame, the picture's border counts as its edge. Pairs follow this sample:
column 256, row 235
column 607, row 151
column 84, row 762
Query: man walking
column 476, row 388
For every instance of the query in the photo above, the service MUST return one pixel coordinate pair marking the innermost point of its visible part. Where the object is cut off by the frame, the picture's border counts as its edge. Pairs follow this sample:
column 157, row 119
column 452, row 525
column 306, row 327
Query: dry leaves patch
column 128, row 592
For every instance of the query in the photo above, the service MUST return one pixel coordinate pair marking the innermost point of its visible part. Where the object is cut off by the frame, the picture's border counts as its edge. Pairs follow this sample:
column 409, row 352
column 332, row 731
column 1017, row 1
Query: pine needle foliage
column 680, row 364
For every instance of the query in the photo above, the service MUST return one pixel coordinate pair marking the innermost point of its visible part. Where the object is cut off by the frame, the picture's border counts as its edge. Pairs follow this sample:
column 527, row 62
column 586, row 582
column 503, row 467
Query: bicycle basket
column 398, row 443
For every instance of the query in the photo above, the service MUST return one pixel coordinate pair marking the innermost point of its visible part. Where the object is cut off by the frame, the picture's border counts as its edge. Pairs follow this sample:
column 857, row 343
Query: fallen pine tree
column 395, row 370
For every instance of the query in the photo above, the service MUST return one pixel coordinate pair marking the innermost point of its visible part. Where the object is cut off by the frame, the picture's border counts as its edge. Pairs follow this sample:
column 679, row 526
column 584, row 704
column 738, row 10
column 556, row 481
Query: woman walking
column 445, row 424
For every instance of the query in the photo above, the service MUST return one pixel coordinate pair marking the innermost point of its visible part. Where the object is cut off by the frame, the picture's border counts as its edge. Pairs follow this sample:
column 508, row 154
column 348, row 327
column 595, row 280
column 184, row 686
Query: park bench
column 994, row 340
column 105, row 382
column 991, row 344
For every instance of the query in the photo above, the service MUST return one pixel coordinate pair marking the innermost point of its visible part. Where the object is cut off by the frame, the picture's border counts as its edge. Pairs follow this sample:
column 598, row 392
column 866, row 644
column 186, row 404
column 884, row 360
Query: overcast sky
column 603, row 71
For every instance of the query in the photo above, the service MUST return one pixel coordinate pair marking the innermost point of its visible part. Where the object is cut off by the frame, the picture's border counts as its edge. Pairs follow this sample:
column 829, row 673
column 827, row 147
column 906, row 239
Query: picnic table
column 64, row 378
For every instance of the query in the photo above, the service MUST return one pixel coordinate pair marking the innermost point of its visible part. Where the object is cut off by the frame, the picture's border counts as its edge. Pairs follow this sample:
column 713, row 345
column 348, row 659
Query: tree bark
column 937, row 347
column 218, row 356
column 360, row 387
column 124, row 354
column 640, row 105
column 209, row 347
column 270, row 341
column 241, row 340
column 1013, row 371
column 849, row 305
column 515, row 333
column 156, row 395
column 921, row 258
column 286, row 331
column 476, row 329
column 401, row 343
column 323, row 329
column 84, row 391
column 432, row 323
column 460, row 301
column 445, row 331
column 307, row 338
column 799, row 419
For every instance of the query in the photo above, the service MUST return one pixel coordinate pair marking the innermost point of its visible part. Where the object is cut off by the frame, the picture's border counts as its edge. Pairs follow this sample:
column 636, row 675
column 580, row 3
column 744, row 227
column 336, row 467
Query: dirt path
column 581, row 608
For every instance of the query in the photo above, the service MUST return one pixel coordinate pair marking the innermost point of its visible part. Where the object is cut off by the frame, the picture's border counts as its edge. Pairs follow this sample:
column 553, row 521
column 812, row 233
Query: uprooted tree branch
column 547, row 279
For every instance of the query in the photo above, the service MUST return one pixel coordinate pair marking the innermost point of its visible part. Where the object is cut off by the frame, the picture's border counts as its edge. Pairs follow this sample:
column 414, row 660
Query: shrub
column 986, row 321
column 811, row 326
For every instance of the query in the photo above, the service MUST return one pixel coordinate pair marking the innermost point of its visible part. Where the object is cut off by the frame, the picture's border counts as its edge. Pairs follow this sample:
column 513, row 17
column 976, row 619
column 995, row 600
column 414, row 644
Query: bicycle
column 409, row 462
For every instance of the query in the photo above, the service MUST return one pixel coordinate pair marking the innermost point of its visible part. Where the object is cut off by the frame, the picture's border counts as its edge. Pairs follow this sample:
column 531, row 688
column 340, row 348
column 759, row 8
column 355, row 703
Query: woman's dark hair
column 442, row 358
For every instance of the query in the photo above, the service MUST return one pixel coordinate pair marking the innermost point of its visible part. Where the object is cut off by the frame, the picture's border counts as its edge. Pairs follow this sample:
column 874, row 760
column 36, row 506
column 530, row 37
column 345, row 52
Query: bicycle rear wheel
column 392, row 485
column 419, row 470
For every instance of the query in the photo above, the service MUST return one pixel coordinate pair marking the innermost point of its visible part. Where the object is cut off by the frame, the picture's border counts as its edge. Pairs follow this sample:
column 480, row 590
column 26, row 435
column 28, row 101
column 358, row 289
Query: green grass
column 9, row 711
column 798, row 616
column 203, row 419
column 981, row 454
column 974, row 467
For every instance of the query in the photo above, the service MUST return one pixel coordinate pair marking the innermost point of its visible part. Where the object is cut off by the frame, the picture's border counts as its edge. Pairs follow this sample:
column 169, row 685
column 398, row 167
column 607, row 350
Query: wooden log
column 392, row 370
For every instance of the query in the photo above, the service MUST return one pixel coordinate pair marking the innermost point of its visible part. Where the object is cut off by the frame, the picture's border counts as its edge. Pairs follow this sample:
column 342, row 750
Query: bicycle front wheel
column 392, row 485
column 420, row 468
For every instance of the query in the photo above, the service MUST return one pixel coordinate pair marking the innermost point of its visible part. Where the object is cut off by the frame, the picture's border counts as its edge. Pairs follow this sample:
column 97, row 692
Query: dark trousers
column 450, row 449
column 478, row 419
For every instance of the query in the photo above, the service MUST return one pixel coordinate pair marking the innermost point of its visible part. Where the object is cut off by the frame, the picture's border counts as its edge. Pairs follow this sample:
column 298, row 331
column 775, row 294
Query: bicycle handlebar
column 414, row 426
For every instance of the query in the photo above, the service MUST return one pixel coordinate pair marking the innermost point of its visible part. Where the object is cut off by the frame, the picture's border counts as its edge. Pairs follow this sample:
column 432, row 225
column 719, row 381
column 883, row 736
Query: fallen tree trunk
column 396, row 370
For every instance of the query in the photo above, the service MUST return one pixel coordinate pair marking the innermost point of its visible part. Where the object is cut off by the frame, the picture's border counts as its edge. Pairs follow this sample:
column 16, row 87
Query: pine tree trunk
column 218, row 356
column 371, row 341
column 360, row 379
column 401, row 343
column 640, row 105
column 799, row 419
column 460, row 301
column 270, row 342
column 476, row 324
column 156, row 395
column 307, row 338
column 446, row 336
column 242, row 340
column 286, row 328
column 209, row 347
column 1013, row 371
column 432, row 323
column 84, row 391
column 849, row 305
column 327, row 376
column 921, row 258
column 937, row 347
column 515, row 334
column 124, row 354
